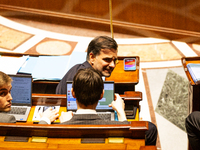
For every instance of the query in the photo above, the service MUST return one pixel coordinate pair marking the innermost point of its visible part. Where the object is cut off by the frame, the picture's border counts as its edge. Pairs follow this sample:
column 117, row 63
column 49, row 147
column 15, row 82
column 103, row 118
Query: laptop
column 21, row 93
column 102, row 108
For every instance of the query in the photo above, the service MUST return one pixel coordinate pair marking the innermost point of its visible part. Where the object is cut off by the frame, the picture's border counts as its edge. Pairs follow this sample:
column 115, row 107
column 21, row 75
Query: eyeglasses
column 109, row 60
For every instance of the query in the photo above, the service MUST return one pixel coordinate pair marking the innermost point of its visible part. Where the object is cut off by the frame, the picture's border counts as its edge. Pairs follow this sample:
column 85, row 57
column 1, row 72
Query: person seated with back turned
column 192, row 124
column 5, row 98
column 88, row 89
column 101, row 55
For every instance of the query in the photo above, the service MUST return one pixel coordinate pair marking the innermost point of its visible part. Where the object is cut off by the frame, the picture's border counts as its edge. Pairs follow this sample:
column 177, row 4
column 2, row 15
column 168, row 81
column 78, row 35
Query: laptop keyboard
column 104, row 115
column 18, row 110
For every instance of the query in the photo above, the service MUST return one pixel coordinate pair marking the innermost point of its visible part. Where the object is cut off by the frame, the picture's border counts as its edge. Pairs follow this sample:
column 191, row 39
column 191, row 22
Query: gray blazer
column 5, row 118
column 88, row 119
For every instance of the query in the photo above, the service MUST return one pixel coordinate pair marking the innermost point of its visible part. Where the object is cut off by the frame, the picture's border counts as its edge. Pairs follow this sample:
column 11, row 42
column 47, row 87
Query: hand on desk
column 118, row 105
column 52, row 115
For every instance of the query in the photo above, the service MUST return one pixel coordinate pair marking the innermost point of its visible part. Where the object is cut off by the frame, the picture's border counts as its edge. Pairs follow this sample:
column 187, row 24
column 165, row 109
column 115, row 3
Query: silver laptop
column 103, row 110
column 21, row 93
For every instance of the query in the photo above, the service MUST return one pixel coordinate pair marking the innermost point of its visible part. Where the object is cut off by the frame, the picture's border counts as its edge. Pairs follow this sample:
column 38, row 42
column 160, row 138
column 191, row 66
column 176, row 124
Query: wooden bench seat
column 70, row 136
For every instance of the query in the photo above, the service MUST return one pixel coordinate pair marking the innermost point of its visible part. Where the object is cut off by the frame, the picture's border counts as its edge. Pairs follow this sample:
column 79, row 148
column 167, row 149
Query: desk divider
column 135, row 130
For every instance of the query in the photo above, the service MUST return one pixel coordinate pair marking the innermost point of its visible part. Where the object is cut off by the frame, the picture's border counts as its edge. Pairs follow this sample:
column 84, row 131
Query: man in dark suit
column 5, row 98
column 192, row 124
column 88, row 89
column 101, row 55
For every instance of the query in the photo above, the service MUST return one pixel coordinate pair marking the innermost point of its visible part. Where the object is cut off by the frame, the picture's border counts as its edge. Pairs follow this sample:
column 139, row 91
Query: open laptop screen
column 102, row 104
column 21, row 89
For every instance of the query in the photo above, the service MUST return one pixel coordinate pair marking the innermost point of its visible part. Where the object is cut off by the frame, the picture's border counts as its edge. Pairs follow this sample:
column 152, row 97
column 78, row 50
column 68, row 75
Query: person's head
column 88, row 87
column 102, row 54
column 5, row 89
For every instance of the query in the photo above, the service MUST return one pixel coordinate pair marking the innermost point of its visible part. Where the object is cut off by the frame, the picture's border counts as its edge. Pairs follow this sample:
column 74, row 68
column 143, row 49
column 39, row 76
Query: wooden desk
column 131, row 100
column 194, row 89
column 124, row 80
column 70, row 136
column 75, row 144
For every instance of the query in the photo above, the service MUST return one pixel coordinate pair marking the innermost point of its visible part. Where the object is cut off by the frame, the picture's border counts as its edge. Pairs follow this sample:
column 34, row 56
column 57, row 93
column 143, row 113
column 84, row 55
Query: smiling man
column 101, row 55
column 5, row 98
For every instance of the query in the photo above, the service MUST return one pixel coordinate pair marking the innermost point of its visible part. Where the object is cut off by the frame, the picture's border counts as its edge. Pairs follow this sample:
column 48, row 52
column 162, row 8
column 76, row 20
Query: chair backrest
column 135, row 130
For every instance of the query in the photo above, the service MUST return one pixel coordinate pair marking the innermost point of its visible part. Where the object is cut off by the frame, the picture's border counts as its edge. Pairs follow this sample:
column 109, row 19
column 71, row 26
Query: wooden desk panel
column 60, row 99
column 187, row 60
column 194, row 89
column 49, row 99
column 132, row 98
column 124, row 80
column 134, row 130
column 148, row 148
column 124, row 77
column 73, row 144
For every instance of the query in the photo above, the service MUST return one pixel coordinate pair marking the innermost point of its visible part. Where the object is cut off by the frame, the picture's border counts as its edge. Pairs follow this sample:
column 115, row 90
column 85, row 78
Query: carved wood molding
column 99, row 21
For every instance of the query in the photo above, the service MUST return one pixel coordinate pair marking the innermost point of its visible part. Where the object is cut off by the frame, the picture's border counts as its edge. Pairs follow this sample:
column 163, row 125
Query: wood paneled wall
column 170, row 19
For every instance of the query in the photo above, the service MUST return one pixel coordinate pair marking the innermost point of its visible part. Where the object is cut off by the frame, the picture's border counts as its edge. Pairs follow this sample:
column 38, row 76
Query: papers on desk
column 11, row 65
column 42, row 67
column 194, row 70
column 51, row 67
column 45, row 67
column 41, row 109
column 28, row 66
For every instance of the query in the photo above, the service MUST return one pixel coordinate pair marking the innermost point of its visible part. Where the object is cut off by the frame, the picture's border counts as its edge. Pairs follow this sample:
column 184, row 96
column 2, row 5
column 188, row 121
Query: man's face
column 5, row 98
column 105, row 62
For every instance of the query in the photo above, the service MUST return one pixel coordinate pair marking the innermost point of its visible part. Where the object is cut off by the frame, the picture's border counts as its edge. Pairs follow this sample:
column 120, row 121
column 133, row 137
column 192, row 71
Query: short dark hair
column 101, row 42
column 88, row 86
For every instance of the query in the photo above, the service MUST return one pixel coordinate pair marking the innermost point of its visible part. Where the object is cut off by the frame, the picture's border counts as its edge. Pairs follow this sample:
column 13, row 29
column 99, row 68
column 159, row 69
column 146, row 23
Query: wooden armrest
column 132, row 95
column 131, row 100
